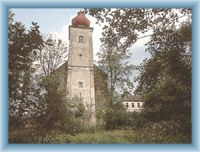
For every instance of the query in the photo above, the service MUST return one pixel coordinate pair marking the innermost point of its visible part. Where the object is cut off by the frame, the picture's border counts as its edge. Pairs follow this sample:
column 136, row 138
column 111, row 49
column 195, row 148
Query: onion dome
column 80, row 20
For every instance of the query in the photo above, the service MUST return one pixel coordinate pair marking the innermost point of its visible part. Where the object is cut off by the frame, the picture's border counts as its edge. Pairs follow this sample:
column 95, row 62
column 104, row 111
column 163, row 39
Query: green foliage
column 122, row 26
column 114, row 63
column 137, row 136
column 134, row 120
column 76, row 114
column 52, row 54
column 161, row 132
column 162, row 129
column 34, row 136
column 77, row 106
column 21, row 136
column 154, row 133
column 23, row 96
column 15, row 122
column 55, row 112
column 165, row 78
column 108, row 137
column 66, row 115
column 115, row 115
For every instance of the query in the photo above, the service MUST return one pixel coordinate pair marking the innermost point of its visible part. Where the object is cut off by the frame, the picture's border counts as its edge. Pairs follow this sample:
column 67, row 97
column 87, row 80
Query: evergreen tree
column 22, row 44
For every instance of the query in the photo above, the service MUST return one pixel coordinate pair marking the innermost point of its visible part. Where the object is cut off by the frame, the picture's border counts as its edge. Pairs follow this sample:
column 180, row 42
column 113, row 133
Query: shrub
column 15, row 122
column 164, row 132
column 23, row 136
column 115, row 116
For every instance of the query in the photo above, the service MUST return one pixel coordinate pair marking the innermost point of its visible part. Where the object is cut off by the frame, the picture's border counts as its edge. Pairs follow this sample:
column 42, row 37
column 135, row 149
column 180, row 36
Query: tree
column 54, row 115
column 114, row 63
column 165, row 78
column 59, row 114
column 124, row 25
column 22, row 44
column 115, row 115
column 51, row 55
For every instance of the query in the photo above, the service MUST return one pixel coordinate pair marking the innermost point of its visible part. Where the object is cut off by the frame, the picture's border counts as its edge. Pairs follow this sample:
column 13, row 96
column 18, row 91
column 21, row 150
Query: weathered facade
column 79, row 76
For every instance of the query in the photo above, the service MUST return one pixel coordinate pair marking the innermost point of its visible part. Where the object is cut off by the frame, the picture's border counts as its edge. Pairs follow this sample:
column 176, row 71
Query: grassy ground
column 114, row 137
column 99, row 137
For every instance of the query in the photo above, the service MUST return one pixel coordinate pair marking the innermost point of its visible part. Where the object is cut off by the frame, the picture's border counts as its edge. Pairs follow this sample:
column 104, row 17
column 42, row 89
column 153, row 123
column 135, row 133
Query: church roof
column 65, row 65
column 100, row 70
column 80, row 20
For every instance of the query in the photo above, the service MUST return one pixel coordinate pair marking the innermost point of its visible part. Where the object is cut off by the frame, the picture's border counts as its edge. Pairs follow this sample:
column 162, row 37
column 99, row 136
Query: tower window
column 80, row 55
column 81, row 39
column 80, row 84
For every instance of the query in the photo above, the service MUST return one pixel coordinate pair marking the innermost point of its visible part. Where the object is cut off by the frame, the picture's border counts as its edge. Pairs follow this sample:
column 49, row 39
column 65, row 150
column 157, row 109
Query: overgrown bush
column 160, row 132
column 54, row 116
column 35, row 136
column 23, row 136
column 60, row 114
column 115, row 116
column 15, row 122
column 134, row 120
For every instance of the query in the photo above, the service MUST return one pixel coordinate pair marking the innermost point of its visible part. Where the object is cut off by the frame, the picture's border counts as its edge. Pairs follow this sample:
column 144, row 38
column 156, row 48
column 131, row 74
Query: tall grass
column 120, row 136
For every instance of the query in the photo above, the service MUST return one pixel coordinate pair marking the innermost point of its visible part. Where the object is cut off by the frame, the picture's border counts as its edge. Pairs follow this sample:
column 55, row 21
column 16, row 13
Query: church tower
column 80, row 81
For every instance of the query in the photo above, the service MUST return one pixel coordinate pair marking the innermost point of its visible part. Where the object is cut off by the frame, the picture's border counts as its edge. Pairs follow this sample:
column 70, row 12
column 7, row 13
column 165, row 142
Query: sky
column 56, row 21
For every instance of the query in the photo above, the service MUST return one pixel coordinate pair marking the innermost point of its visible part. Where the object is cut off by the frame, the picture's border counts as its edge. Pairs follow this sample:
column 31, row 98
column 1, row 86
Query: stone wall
column 101, row 91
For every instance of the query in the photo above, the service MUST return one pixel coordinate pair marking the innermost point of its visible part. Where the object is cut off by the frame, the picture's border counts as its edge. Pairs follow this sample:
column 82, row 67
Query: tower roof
column 80, row 20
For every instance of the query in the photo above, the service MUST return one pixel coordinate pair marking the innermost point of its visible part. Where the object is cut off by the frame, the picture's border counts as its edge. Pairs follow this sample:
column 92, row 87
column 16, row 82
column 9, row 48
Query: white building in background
column 133, row 103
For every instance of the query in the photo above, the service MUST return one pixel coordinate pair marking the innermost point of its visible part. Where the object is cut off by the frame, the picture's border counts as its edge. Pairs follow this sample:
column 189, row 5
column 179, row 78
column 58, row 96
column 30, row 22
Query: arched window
column 138, row 104
column 81, row 39
column 132, row 104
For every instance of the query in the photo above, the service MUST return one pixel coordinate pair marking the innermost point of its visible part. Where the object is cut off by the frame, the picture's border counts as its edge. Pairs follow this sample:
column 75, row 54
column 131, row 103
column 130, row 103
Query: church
column 79, row 76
